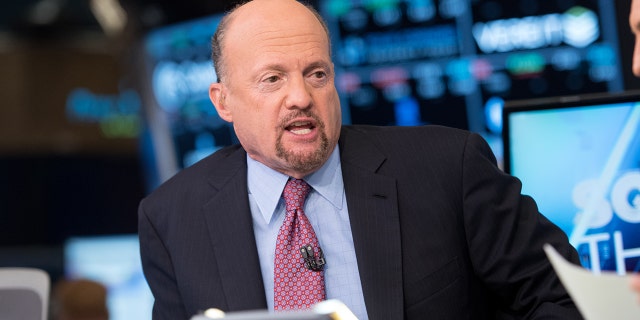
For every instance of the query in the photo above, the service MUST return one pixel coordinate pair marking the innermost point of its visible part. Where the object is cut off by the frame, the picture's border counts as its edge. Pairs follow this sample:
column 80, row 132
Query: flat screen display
column 453, row 62
column 113, row 261
column 579, row 157
column 182, row 124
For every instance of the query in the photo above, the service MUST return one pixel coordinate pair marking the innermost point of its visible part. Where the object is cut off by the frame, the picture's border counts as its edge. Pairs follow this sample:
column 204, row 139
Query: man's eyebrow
column 277, row 67
column 273, row 66
column 270, row 68
column 317, row 64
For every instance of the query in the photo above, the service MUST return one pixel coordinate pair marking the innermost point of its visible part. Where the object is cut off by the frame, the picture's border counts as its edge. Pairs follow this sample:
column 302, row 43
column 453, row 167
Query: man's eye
column 271, row 79
column 319, row 74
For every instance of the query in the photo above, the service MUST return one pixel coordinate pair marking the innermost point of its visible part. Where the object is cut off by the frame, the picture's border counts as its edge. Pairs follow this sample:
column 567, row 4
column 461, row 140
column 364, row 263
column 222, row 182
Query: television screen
column 455, row 62
column 182, row 124
column 579, row 157
column 113, row 261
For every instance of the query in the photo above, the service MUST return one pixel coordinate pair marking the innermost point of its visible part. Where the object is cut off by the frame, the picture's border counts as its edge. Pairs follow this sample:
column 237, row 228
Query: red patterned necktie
column 296, row 286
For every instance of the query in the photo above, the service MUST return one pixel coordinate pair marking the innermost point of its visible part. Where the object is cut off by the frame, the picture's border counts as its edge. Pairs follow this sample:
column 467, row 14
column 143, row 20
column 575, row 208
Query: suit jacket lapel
column 232, row 237
column 373, row 211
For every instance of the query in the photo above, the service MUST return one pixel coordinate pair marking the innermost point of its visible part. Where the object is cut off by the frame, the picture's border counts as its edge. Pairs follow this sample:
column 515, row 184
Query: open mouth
column 300, row 127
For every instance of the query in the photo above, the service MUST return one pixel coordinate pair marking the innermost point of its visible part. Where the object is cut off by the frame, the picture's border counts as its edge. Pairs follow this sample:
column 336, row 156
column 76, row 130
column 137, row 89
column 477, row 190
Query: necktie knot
column 294, row 194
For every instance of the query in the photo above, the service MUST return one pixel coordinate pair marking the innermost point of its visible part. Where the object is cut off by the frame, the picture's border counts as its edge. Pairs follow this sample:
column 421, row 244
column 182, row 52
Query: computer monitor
column 454, row 62
column 114, row 261
column 579, row 157
column 182, row 126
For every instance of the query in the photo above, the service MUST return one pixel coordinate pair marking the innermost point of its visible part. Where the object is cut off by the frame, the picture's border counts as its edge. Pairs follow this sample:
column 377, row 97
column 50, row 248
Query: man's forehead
column 252, row 26
column 267, row 12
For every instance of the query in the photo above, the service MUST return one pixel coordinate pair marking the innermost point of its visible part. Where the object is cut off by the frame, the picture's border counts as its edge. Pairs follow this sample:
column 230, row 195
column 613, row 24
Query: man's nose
column 298, row 93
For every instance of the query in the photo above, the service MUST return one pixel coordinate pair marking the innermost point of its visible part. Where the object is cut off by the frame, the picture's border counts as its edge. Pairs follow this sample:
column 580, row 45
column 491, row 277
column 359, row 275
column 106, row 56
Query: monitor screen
column 453, row 62
column 113, row 261
column 182, row 124
column 579, row 157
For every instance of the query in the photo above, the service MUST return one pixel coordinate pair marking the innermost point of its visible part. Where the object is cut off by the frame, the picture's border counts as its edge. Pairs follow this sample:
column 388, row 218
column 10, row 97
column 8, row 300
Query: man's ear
column 217, row 97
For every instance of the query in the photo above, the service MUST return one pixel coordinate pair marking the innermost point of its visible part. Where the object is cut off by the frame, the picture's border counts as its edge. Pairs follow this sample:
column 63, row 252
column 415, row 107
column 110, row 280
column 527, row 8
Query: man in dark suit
column 415, row 223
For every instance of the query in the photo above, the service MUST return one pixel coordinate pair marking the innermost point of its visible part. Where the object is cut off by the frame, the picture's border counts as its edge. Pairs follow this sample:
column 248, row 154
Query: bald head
column 261, row 16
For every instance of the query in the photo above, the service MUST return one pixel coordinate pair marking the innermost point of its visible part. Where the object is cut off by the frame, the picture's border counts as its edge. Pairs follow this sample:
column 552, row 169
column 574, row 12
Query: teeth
column 300, row 127
column 301, row 131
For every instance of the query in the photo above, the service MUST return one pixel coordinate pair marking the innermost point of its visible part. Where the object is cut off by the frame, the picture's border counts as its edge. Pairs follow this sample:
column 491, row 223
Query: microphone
column 312, row 262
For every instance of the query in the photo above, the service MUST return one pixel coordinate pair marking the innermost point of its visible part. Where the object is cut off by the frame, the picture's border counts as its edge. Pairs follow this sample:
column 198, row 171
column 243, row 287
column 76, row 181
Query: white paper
column 602, row 296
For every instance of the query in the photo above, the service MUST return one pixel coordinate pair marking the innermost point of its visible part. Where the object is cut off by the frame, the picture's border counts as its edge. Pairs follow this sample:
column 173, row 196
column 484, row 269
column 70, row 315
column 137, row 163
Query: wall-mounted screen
column 183, row 126
column 455, row 62
column 579, row 157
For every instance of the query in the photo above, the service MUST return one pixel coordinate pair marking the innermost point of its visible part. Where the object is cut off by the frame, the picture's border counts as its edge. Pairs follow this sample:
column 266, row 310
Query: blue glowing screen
column 582, row 165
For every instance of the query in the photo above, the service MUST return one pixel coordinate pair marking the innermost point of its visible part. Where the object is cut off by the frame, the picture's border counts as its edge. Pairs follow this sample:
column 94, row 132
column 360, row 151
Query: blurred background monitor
column 113, row 261
column 183, row 126
column 579, row 157
column 455, row 62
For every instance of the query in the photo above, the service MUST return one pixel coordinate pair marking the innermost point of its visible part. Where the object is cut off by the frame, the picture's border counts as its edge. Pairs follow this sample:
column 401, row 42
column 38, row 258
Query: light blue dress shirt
column 326, row 208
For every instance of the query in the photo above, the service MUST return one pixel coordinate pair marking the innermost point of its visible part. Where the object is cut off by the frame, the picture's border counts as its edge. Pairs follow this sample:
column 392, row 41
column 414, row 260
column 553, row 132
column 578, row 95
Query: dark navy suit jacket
column 440, row 232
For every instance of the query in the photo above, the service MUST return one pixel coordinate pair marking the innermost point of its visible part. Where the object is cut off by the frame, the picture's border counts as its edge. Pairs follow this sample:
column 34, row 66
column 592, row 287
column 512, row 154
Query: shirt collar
column 266, row 185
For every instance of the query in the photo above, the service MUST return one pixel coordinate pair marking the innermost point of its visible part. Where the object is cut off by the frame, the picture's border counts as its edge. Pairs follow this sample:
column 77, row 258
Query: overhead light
column 110, row 15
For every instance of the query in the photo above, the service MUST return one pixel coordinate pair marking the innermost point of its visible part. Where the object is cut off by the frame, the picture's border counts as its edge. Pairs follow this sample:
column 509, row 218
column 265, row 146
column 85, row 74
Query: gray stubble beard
column 305, row 162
